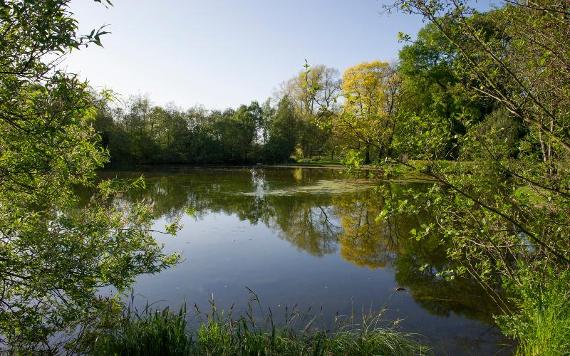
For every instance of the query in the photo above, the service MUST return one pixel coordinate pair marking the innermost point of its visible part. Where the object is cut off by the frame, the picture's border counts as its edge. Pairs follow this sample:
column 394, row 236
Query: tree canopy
column 55, row 252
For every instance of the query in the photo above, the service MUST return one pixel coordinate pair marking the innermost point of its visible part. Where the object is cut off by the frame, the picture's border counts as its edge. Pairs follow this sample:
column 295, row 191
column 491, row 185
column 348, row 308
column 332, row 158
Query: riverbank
column 166, row 333
column 387, row 172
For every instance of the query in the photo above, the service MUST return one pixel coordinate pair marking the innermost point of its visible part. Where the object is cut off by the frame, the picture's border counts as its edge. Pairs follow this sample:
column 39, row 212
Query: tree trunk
column 367, row 157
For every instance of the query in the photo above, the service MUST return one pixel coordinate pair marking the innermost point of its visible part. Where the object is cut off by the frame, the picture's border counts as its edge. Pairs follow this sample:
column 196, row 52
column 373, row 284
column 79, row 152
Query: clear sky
column 223, row 53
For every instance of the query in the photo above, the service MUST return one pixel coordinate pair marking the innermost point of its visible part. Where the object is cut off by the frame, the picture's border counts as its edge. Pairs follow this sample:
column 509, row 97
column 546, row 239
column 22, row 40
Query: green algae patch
column 324, row 186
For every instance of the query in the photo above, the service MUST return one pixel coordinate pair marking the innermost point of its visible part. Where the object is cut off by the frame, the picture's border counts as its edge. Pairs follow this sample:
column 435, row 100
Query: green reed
column 163, row 332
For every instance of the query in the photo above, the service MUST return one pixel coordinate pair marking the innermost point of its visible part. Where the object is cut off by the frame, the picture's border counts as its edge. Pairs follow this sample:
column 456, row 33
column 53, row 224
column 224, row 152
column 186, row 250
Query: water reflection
column 321, row 213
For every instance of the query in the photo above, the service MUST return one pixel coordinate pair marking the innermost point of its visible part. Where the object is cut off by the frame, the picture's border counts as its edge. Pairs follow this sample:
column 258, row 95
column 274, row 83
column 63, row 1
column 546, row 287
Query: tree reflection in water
column 322, row 212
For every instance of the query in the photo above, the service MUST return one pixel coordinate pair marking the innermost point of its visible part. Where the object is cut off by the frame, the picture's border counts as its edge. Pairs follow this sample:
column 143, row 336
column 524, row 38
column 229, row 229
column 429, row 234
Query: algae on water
column 323, row 186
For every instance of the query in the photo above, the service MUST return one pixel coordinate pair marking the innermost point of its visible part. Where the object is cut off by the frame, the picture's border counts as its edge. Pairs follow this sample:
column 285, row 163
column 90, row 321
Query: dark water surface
column 308, row 237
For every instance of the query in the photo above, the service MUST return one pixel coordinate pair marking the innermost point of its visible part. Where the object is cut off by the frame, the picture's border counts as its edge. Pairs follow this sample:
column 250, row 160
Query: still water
column 309, row 238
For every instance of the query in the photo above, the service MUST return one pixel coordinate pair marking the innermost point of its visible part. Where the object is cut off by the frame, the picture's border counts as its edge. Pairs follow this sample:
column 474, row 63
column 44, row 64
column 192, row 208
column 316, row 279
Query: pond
column 308, row 237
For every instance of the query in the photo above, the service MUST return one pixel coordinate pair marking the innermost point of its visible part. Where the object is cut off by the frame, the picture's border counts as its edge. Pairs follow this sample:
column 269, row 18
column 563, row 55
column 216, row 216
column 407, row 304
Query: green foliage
column 502, row 151
column 484, row 87
column 542, row 323
column 146, row 134
column 55, row 252
column 481, row 99
column 435, row 105
column 282, row 132
column 153, row 333
column 163, row 332
column 353, row 159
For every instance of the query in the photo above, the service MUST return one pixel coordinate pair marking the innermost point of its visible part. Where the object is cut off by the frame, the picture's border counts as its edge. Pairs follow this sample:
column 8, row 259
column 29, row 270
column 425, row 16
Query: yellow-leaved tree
column 370, row 91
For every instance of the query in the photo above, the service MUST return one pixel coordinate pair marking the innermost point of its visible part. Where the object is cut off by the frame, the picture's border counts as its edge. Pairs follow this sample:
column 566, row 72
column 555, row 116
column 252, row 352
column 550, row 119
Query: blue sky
column 223, row 53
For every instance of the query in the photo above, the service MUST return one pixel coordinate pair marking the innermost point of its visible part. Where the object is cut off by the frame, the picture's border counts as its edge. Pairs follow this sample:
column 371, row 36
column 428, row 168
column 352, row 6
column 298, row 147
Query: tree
column 247, row 119
column 368, row 90
column 314, row 93
column 498, row 67
column 433, row 98
column 506, row 209
column 282, row 132
column 55, row 252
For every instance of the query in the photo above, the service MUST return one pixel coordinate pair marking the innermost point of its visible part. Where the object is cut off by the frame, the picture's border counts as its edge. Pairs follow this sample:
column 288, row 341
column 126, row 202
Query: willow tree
column 55, row 251
column 369, row 91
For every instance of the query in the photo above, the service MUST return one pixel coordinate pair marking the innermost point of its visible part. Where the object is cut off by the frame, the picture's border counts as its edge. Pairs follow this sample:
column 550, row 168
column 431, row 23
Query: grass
column 542, row 324
column 153, row 333
column 163, row 332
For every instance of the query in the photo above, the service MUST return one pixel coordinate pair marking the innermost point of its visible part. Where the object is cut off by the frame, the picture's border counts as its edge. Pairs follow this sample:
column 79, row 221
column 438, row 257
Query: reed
column 163, row 332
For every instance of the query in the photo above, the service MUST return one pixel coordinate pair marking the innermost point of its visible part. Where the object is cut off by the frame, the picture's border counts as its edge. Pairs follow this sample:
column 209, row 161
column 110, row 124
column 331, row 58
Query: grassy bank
column 542, row 324
column 166, row 333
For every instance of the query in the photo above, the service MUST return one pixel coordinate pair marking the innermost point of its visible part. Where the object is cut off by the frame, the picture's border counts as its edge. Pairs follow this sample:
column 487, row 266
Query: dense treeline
column 142, row 133
column 366, row 115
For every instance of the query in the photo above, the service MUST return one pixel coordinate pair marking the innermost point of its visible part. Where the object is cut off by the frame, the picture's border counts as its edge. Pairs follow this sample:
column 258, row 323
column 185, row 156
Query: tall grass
column 542, row 324
column 152, row 333
column 166, row 333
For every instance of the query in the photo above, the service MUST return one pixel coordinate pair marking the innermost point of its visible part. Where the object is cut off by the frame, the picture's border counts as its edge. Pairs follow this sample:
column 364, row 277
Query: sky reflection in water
column 308, row 237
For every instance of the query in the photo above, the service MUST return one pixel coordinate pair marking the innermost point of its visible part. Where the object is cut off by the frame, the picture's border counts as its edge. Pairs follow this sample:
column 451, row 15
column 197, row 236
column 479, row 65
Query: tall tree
column 506, row 210
column 315, row 94
column 55, row 253
column 282, row 132
column 434, row 97
column 367, row 88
